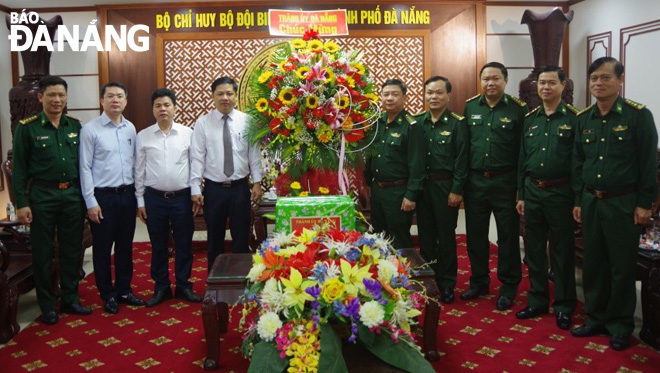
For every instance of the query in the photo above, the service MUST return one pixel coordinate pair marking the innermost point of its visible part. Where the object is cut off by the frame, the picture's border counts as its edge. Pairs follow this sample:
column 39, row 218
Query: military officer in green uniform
column 545, row 198
column 615, row 183
column 446, row 139
column 495, row 122
column 395, row 169
column 47, row 192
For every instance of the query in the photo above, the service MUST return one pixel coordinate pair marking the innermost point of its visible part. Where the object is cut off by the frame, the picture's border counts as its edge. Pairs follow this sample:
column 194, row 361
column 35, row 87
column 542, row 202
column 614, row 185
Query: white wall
column 5, row 86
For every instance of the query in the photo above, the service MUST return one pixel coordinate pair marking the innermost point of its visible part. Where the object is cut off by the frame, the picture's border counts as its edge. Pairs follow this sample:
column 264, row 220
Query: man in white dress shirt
column 162, row 174
column 222, row 156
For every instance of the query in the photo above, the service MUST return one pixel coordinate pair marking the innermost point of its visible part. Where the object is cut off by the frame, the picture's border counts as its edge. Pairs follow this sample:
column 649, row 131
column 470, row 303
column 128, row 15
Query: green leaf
column 331, row 359
column 266, row 359
column 400, row 355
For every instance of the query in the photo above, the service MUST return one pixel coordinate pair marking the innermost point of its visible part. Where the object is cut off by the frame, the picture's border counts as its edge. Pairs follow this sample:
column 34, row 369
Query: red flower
column 303, row 262
column 276, row 104
column 292, row 110
column 318, row 112
column 310, row 33
column 354, row 136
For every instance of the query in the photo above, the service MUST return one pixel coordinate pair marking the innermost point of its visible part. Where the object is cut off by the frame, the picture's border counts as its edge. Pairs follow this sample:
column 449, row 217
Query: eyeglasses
column 111, row 96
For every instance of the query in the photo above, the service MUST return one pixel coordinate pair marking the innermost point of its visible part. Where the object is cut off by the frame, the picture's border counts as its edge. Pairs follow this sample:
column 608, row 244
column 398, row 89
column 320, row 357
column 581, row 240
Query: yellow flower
column 295, row 185
column 353, row 276
column 329, row 77
column 347, row 124
column 372, row 97
column 350, row 81
column 281, row 65
column 298, row 43
column 330, row 46
column 359, row 67
column 312, row 101
column 344, row 102
column 323, row 190
column 302, row 72
column 307, row 236
column 332, row 290
column 304, row 194
column 314, row 45
column 324, row 135
column 262, row 104
column 286, row 96
column 263, row 78
column 294, row 290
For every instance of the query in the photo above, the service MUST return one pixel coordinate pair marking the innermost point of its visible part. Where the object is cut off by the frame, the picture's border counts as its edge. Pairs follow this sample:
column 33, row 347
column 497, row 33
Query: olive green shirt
column 399, row 153
column 547, row 145
column 446, row 146
column 617, row 150
column 494, row 132
column 44, row 152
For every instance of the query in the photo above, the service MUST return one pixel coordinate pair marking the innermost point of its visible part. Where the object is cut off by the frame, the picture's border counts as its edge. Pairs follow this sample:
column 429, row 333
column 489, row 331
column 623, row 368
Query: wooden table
column 226, row 283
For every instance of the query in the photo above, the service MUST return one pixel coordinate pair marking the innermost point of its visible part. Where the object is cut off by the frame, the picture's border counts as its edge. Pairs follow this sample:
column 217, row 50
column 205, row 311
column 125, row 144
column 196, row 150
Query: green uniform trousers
column 497, row 195
column 611, row 242
column 387, row 216
column 62, row 209
column 549, row 212
column 436, row 224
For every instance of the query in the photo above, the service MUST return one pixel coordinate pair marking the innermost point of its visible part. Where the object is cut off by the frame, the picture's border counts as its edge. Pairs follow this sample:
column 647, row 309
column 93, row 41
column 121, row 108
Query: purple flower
column 400, row 281
column 314, row 291
column 373, row 287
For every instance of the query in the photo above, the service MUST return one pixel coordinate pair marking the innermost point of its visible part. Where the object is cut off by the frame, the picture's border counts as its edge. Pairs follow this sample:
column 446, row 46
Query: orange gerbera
column 274, row 266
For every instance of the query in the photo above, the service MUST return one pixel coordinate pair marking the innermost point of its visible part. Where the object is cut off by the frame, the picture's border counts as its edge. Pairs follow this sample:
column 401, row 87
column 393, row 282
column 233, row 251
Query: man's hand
column 520, row 207
column 24, row 215
column 454, row 200
column 142, row 214
column 94, row 214
column 198, row 203
column 407, row 205
column 642, row 215
column 577, row 214
column 256, row 193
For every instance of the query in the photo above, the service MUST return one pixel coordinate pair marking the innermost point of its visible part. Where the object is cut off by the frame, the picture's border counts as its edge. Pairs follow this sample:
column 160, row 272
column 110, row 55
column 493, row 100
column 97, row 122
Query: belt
column 550, row 183
column 388, row 184
column 610, row 193
column 56, row 184
column 227, row 184
column 117, row 190
column 493, row 173
column 168, row 195
column 440, row 176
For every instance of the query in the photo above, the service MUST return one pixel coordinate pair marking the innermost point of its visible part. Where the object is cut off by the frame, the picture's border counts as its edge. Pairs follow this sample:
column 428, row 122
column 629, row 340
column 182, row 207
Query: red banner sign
column 297, row 224
column 296, row 22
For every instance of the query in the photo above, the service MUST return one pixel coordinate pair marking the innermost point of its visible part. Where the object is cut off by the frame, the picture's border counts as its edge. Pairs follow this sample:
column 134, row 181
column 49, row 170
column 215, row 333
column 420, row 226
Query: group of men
column 554, row 165
column 158, row 174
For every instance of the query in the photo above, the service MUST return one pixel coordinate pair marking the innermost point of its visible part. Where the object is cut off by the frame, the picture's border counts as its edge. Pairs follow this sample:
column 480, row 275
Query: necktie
column 226, row 144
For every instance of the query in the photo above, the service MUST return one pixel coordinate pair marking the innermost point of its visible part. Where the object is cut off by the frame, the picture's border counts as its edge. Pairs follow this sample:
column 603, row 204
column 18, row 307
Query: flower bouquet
column 305, row 286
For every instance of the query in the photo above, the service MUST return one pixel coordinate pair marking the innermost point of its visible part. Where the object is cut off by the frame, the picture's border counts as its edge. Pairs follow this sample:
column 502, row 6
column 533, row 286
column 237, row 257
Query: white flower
column 281, row 239
column 333, row 271
column 371, row 314
column 340, row 248
column 267, row 326
column 386, row 270
column 255, row 272
column 403, row 313
column 272, row 296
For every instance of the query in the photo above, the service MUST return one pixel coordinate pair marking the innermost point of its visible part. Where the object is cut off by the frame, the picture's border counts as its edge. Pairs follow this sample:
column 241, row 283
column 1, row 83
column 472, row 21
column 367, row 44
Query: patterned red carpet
column 170, row 338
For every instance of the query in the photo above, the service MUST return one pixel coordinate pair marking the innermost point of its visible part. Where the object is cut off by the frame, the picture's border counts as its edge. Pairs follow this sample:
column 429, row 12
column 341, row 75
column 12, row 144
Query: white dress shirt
column 162, row 161
column 207, row 150
column 107, row 155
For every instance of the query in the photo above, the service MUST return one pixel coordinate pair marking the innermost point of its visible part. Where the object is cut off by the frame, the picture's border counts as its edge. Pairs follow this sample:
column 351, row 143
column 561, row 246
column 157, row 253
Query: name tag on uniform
column 475, row 116
column 619, row 128
column 40, row 138
column 530, row 128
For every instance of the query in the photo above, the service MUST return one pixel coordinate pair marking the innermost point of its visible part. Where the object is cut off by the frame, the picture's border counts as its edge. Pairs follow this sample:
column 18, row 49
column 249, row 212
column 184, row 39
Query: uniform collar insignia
column 619, row 128
column 505, row 120
column 396, row 134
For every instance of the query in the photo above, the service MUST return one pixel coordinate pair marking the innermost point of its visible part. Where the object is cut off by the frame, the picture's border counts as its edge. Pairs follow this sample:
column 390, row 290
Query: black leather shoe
column 187, row 294
column 503, row 303
column 564, row 320
column 588, row 331
column 50, row 318
column 131, row 299
column 529, row 312
column 447, row 295
column 472, row 293
column 76, row 309
column 159, row 297
column 619, row 342
column 111, row 306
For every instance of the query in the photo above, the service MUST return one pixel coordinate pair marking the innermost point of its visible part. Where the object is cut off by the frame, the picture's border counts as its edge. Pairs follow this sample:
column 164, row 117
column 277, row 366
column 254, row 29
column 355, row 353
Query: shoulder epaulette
column 420, row 113
column 472, row 98
column 634, row 104
column 411, row 120
column 74, row 118
column 573, row 109
column 585, row 110
column 533, row 111
column 518, row 101
column 457, row 116
column 28, row 120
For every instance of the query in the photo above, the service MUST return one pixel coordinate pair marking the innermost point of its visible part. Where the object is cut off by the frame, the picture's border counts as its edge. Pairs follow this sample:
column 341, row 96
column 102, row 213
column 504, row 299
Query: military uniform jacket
column 615, row 151
column 547, row 145
column 44, row 152
column 399, row 153
column 494, row 132
column 446, row 146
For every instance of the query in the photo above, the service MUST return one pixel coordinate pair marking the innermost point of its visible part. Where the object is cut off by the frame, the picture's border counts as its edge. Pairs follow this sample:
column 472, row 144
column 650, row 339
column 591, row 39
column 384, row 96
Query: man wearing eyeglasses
column 107, row 161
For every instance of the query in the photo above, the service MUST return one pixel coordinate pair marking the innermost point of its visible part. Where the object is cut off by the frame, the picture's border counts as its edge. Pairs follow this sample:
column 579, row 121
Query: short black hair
column 435, row 79
column 618, row 66
column 163, row 92
column 112, row 84
column 396, row 82
column 496, row 65
column 552, row 68
column 51, row 80
column 224, row 80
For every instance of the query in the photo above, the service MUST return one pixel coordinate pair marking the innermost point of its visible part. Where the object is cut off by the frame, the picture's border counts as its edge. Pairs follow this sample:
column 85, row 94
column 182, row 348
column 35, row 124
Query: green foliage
column 266, row 359
column 331, row 359
column 403, row 354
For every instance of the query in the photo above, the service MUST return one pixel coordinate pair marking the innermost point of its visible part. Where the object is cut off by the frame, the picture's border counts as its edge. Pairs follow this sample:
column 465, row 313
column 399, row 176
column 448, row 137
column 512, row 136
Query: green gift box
column 295, row 213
